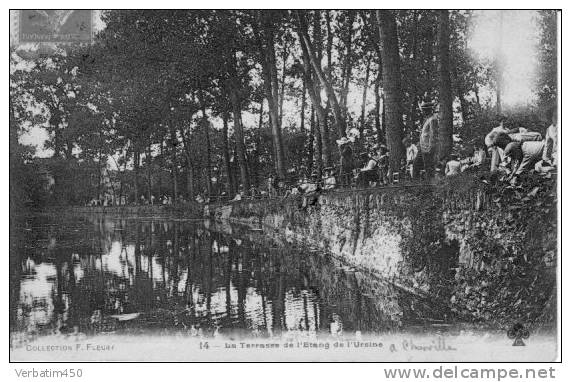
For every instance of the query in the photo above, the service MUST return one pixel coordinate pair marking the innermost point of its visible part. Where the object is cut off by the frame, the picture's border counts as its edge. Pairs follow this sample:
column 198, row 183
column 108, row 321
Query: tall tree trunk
column 229, row 175
column 285, row 55
column 391, row 86
column 174, row 160
column 445, row 87
column 318, row 36
column 364, row 98
column 160, row 170
column 340, row 122
column 266, row 47
column 261, row 115
column 329, row 47
column 414, row 60
column 312, row 90
column 206, row 126
column 459, row 93
column 68, row 150
column 320, row 160
column 190, row 169
column 277, row 131
column 378, row 81
column 239, row 136
column 276, row 137
column 348, row 64
column 190, row 180
column 321, row 123
column 259, row 133
column 99, row 177
column 149, row 174
column 383, row 112
column 54, row 121
column 311, row 151
column 302, row 113
column 121, row 187
column 136, row 162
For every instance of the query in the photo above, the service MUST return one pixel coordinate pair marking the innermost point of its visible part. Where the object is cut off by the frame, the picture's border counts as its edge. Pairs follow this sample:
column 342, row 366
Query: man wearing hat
column 429, row 137
column 310, row 190
column 347, row 165
column 367, row 173
column 383, row 164
column 329, row 181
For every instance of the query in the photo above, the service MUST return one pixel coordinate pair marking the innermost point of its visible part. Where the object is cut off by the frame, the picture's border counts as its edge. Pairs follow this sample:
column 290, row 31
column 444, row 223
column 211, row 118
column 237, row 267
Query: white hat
column 353, row 133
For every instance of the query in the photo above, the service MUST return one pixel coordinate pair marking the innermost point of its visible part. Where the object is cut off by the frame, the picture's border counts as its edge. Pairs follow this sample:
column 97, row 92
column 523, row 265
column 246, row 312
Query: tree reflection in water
column 101, row 274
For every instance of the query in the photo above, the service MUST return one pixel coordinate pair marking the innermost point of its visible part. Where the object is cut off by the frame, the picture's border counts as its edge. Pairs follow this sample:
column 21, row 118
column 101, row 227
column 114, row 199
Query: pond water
column 91, row 275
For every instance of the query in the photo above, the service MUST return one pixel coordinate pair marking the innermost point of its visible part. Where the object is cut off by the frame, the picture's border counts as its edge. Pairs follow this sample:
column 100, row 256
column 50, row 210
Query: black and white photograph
column 286, row 185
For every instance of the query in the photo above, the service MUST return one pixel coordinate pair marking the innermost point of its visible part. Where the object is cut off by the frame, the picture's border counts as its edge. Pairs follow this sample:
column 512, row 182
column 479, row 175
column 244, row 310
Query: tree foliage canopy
column 187, row 102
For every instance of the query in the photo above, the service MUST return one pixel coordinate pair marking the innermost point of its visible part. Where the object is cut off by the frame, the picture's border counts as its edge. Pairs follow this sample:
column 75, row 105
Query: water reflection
column 86, row 276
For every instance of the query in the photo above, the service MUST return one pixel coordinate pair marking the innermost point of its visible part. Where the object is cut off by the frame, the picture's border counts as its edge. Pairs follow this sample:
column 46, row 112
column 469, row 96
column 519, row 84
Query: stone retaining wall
column 464, row 240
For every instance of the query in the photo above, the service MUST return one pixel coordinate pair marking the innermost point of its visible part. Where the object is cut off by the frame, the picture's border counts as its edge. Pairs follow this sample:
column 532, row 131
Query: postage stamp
column 37, row 25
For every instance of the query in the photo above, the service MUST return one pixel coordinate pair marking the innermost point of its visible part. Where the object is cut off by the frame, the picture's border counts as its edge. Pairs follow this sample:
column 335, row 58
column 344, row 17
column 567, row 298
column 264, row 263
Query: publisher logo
column 518, row 333
column 61, row 26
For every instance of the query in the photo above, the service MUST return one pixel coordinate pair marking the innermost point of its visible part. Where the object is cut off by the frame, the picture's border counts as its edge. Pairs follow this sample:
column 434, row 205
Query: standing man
column 347, row 165
column 272, row 190
column 429, row 138
column 383, row 165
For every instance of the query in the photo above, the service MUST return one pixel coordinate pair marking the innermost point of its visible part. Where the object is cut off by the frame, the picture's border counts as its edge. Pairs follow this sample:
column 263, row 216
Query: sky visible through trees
column 519, row 41
column 211, row 101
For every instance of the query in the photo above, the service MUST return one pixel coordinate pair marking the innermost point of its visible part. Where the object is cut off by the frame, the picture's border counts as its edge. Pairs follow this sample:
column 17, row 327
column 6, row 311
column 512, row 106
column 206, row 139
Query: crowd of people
column 424, row 162
column 508, row 151
column 515, row 151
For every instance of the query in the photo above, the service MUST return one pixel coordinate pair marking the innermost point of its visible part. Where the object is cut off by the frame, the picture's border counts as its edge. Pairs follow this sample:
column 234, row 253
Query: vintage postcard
column 323, row 185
